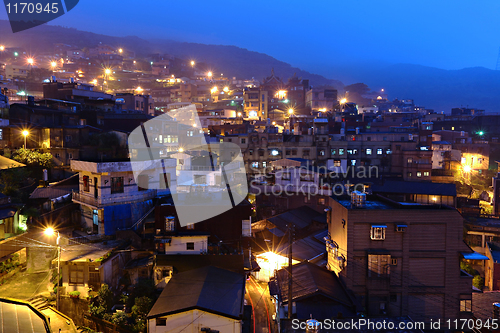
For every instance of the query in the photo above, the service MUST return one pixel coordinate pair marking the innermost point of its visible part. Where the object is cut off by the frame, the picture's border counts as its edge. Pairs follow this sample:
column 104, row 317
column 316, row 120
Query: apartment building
column 399, row 259
column 111, row 199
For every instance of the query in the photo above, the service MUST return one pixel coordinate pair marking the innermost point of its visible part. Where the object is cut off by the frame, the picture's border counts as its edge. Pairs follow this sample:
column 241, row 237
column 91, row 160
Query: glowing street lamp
column 25, row 134
column 31, row 61
column 226, row 89
column 343, row 101
column 52, row 232
column 2, row 48
column 214, row 90
column 139, row 90
column 53, row 64
column 120, row 50
column 192, row 63
column 181, row 150
column 107, row 71
column 209, row 74
column 467, row 168
column 239, row 114
column 290, row 111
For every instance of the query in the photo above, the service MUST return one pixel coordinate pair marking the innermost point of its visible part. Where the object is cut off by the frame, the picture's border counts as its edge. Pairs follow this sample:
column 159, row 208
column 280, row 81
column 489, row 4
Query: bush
column 478, row 282
column 74, row 294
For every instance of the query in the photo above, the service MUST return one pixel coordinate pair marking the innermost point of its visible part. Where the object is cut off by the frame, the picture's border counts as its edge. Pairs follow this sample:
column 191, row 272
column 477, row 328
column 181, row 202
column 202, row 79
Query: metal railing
column 113, row 199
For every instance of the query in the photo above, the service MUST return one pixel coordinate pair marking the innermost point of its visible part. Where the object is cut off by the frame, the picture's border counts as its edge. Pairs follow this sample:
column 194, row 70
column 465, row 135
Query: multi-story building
column 399, row 259
column 111, row 199
column 321, row 99
column 255, row 103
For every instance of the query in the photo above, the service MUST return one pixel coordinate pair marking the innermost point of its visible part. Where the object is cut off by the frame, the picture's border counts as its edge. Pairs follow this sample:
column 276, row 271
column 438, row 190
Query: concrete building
column 111, row 199
column 399, row 259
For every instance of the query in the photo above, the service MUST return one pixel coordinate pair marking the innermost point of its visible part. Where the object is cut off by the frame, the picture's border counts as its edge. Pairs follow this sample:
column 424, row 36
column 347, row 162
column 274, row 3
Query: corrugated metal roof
column 392, row 186
column 209, row 289
column 20, row 317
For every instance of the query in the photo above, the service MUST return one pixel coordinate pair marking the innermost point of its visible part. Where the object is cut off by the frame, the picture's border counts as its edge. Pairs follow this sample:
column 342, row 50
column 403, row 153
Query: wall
column 74, row 308
column 194, row 320
column 178, row 245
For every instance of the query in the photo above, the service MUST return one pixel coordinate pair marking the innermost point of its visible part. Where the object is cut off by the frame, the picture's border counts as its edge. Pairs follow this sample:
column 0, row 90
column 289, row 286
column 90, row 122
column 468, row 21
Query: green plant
column 74, row 294
column 120, row 319
column 478, row 282
column 101, row 304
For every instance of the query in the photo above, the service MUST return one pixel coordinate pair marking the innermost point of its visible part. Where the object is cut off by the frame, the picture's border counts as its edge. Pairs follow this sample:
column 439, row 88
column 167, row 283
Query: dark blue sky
column 312, row 35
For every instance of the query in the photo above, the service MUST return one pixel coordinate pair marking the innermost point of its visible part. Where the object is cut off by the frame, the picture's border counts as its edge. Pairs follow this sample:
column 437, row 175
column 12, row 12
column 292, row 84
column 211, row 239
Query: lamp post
column 25, row 134
column 51, row 232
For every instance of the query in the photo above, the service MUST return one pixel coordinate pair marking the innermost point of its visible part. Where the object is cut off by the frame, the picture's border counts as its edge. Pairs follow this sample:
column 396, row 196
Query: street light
column 192, row 63
column 209, row 74
column 139, row 90
column 25, row 134
column 50, row 232
column 31, row 61
column 2, row 48
column 343, row 101
column 226, row 89
column 467, row 168
column 120, row 50
column 290, row 111
column 53, row 64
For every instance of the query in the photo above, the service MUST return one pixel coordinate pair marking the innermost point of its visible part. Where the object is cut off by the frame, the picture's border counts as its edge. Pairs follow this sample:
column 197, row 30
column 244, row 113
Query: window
column 287, row 152
column 305, row 152
column 410, row 160
column 466, row 305
column 378, row 232
column 333, row 151
column 401, row 227
column 190, row 246
column 307, row 177
column 426, row 173
column 255, row 165
column 419, row 174
column 294, row 152
column 378, row 265
column 321, row 152
column 286, row 176
column 264, row 164
column 341, row 151
column 58, row 155
column 161, row 322
column 368, row 151
column 353, row 162
column 408, row 174
column 190, row 226
column 76, row 274
column 394, row 262
column 116, row 185
column 321, row 201
column 170, row 223
column 250, row 152
column 86, row 185
column 388, row 151
column 336, row 163
column 261, row 152
column 243, row 141
column 379, row 151
column 68, row 138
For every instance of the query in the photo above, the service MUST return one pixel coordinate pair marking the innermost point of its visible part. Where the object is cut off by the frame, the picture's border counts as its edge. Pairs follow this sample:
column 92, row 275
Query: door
column 96, row 191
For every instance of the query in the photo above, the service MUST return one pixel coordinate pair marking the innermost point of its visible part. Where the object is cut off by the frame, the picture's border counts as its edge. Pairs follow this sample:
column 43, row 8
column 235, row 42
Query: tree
column 33, row 158
column 101, row 304
column 11, row 180
column 142, row 306
column 478, row 282
column 358, row 88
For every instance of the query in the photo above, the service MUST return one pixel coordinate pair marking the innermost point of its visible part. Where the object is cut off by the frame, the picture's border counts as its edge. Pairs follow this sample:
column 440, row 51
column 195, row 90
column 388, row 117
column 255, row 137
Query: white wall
column 178, row 245
column 192, row 321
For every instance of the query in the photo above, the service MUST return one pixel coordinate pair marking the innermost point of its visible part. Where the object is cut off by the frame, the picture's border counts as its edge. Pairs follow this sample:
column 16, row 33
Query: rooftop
column 378, row 203
column 393, row 186
column 21, row 317
column 92, row 251
column 209, row 289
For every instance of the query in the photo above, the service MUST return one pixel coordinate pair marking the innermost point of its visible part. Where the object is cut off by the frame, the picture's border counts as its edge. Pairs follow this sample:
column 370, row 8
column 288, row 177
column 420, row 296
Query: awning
column 474, row 256
column 378, row 226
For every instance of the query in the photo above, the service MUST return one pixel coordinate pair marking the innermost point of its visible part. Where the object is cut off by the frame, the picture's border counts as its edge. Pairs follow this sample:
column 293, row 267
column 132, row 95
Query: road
column 257, row 295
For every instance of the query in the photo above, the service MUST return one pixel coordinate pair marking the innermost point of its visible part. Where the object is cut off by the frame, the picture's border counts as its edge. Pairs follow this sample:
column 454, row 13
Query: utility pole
column 290, row 240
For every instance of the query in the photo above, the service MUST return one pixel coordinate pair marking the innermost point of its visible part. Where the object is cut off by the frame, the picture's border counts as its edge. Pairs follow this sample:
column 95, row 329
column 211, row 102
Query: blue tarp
column 474, row 256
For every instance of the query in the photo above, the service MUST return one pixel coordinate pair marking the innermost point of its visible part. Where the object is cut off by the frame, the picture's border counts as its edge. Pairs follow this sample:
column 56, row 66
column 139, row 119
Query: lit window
column 419, row 174
column 341, row 151
column 368, row 151
column 86, row 186
column 465, row 305
column 190, row 226
column 353, row 162
column 410, row 160
column 333, row 151
column 286, row 176
column 169, row 223
column 336, row 163
column 426, row 173
column 379, row 151
column 255, row 164
column 378, row 265
column 116, row 185
column 378, row 232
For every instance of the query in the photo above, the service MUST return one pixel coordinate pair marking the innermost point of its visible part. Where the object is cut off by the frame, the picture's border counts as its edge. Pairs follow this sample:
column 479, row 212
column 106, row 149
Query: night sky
column 312, row 34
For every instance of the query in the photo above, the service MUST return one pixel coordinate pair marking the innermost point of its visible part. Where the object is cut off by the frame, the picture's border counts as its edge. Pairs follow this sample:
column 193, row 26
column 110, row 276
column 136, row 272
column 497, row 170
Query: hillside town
column 357, row 204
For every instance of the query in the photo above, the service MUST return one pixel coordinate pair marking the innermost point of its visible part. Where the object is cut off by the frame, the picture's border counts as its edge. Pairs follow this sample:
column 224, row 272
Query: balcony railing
column 114, row 199
column 231, row 166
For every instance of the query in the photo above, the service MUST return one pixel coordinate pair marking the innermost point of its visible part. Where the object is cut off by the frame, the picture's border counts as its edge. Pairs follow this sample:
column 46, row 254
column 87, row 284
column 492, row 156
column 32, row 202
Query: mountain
column 230, row 60
column 433, row 88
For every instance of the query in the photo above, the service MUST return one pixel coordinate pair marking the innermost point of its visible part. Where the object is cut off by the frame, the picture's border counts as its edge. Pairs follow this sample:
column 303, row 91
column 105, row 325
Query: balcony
column 115, row 199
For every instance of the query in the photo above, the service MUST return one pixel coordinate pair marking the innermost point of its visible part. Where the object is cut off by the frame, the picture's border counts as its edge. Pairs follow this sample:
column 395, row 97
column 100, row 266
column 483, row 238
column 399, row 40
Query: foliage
column 33, row 158
column 11, row 180
column 467, row 268
column 101, row 304
column 142, row 306
column 144, row 287
column 119, row 318
column 75, row 294
column 478, row 282
column 359, row 88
